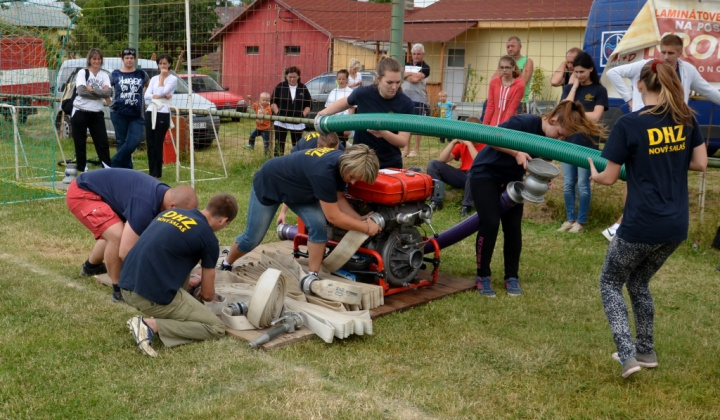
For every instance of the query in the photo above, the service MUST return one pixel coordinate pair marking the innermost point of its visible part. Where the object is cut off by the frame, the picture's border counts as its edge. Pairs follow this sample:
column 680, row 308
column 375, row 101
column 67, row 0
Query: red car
column 209, row 89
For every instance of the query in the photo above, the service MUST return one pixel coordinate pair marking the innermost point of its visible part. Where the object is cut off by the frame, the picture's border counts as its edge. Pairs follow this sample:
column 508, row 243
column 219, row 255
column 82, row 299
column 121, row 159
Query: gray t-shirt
column 417, row 91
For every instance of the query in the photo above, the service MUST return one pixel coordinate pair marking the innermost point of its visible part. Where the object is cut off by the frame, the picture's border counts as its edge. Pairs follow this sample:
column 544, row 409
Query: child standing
column 262, row 127
column 341, row 91
column 446, row 109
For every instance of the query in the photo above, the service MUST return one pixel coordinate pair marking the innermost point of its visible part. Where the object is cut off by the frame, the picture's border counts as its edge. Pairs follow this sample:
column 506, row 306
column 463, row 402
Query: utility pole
column 134, row 25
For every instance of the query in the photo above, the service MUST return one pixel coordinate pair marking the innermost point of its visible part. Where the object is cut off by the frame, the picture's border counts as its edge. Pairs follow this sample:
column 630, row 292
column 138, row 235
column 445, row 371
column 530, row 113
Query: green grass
column 65, row 351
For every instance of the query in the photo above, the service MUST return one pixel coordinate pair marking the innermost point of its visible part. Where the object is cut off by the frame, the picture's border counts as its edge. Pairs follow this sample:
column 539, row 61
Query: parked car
column 203, row 132
column 321, row 86
column 209, row 89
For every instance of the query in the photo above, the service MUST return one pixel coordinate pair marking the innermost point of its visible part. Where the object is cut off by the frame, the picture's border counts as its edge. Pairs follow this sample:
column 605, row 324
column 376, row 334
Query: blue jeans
column 129, row 134
column 574, row 176
column 451, row 176
column 260, row 216
column 265, row 134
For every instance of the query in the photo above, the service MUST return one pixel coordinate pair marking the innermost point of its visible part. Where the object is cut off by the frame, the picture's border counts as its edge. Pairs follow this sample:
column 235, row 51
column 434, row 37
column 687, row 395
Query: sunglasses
column 129, row 51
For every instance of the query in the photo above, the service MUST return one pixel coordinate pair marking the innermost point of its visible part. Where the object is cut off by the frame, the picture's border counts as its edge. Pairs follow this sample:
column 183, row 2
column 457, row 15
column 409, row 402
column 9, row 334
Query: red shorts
column 90, row 210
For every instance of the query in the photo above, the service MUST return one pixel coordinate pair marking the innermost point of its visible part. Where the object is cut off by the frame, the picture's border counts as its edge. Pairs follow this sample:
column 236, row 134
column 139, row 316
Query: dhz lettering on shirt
column 318, row 152
column 178, row 220
column 663, row 140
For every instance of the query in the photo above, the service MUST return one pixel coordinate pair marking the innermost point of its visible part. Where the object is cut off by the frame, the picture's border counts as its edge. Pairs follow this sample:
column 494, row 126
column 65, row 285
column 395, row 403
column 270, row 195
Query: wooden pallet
column 445, row 286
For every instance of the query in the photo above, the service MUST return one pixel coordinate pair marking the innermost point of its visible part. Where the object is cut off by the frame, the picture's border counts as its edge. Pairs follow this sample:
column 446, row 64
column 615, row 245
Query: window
column 456, row 57
column 292, row 50
column 252, row 50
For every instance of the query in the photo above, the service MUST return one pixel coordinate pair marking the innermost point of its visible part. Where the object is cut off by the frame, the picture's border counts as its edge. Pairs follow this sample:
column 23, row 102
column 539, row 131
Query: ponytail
column 660, row 78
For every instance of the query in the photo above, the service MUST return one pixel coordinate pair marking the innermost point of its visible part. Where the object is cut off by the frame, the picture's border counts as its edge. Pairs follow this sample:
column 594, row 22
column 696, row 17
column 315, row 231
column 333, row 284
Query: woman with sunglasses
column 127, row 108
column 504, row 93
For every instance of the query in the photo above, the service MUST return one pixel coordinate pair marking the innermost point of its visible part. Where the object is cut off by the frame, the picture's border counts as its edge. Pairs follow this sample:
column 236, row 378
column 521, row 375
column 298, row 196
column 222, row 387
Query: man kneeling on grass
column 155, row 275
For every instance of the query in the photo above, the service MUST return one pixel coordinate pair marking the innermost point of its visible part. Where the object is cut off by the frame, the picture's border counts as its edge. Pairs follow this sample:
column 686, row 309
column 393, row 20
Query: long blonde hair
column 660, row 78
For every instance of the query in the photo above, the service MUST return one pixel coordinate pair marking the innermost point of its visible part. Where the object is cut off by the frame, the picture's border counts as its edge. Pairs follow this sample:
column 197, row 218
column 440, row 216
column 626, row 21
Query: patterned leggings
column 633, row 264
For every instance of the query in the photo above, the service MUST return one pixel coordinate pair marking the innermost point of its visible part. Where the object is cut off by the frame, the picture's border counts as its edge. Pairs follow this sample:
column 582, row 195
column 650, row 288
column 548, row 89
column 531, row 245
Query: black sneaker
column 465, row 211
column 225, row 267
column 93, row 271
column 117, row 297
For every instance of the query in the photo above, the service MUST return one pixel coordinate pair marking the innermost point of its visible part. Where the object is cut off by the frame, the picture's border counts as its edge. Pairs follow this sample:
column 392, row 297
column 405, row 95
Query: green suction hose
column 494, row 136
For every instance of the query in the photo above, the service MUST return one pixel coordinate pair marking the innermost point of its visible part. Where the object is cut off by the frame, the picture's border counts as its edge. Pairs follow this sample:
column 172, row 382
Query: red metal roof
column 494, row 10
column 345, row 19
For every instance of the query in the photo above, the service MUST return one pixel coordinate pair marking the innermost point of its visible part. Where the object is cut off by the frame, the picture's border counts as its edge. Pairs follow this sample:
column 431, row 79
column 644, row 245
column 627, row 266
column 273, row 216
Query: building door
column 454, row 77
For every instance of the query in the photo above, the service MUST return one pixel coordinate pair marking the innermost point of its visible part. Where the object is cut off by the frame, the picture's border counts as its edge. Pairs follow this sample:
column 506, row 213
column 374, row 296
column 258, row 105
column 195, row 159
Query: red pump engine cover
column 393, row 187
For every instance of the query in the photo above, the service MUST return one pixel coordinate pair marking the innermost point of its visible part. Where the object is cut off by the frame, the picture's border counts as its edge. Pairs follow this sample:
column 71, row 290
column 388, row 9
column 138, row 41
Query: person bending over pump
column 116, row 205
column 312, row 184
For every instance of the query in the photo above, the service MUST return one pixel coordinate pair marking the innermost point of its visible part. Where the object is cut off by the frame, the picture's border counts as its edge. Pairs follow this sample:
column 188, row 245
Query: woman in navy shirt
column 658, row 145
column 495, row 167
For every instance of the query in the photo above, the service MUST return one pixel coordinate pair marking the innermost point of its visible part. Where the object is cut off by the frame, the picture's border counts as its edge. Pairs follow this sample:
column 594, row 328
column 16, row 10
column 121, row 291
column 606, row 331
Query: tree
column 162, row 26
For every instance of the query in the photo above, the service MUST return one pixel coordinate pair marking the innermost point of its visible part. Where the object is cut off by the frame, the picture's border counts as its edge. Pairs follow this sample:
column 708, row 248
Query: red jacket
column 503, row 103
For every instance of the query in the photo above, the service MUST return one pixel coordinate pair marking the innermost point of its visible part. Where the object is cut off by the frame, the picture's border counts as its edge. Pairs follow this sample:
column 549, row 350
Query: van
column 608, row 22
column 202, row 124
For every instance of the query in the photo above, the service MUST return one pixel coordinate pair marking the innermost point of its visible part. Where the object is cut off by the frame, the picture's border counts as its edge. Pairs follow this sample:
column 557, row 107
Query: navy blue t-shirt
column 300, row 178
column 501, row 167
column 656, row 152
column 589, row 96
column 310, row 141
column 158, row 264
column 368, row 100
column 128, row 93
column 134, row 196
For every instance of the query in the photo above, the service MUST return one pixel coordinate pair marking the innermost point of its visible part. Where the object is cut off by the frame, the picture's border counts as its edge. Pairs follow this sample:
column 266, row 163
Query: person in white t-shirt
column 341, row 91
column 93, row 91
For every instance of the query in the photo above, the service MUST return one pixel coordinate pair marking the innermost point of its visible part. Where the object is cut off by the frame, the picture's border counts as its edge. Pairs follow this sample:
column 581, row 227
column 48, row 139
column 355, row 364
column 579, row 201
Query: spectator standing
column 446, row 108
column 382, row 97
column 526, row 66
column 127, row 108
column 157, row 116
column 354, row 76
column 563, row 74
column 262, row 127
column 93, row 92
column 657, row 208
column 341, row 91
column 289, row 99
column 504, row 93
column 586, row 89
column 415, row 78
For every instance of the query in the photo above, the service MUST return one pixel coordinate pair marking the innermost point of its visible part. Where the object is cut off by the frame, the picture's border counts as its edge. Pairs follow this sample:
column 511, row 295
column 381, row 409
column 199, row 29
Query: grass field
column 65, row 351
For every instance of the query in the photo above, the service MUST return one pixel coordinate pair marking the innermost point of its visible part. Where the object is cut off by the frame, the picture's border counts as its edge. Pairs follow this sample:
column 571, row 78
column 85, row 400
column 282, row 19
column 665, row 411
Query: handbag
column 66, row 104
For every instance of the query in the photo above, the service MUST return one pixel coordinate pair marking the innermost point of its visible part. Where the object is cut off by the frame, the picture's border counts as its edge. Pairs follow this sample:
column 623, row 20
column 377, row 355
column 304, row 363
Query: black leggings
column 155, row 140
column 486, row 196
column 281, row 134
column 81, row 122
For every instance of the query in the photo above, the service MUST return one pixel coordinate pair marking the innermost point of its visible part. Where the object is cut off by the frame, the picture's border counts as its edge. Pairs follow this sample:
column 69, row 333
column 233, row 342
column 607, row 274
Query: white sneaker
column 609, row 233
column 565, row 226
